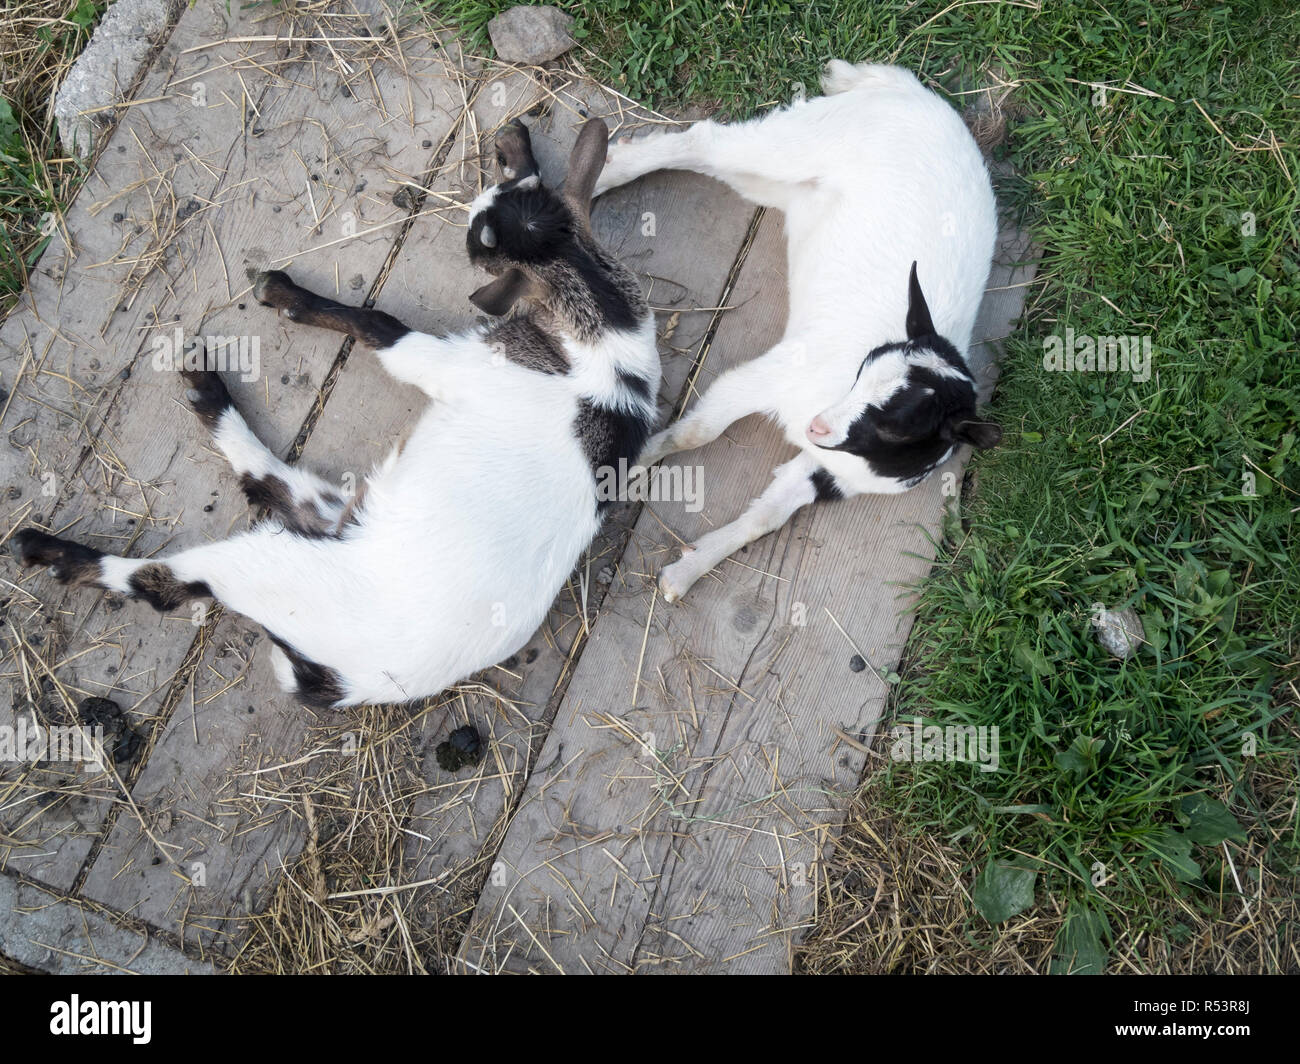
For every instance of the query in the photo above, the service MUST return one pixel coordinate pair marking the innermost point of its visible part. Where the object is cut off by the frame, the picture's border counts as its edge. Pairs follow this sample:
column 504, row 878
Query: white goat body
column 876, row 176
column 451, row 555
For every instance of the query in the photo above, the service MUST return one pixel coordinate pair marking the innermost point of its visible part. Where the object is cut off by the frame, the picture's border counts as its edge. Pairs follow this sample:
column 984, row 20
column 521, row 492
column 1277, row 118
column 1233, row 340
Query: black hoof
column 207, row 395
column 71, row 563
column 273, row 288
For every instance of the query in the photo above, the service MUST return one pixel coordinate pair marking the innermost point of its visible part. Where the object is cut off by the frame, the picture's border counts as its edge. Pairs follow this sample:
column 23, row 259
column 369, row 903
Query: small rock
column 404, row 198
column 463, row 747
column 531, row 35
column 857, row 663
column 119, row 46
column 1120, row 632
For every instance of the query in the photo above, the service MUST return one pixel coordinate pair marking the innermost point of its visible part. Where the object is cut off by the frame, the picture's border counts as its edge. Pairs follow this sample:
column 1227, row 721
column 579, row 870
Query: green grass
column 1105, row 489
column 38, row 41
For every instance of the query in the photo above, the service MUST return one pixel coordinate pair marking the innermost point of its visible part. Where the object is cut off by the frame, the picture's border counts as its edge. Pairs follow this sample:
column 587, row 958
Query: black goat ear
column 585, row 164
column 500, row 295
column 918, row 314
column 514, row 152
column 981, row 434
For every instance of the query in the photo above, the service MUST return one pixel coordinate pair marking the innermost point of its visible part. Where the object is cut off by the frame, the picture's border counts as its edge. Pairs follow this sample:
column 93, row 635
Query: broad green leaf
column 1175, row 850
column 1208, row 822
column 1080, row 947
column 8, row 123
column 1003, row 889
column 1033, row 660
column 1080, row 759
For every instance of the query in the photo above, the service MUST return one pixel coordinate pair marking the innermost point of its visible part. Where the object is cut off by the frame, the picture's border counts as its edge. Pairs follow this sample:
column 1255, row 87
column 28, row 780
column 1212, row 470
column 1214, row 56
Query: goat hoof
column 671, row 583
column 69, row 562
column 207, row 395
column 273, row 288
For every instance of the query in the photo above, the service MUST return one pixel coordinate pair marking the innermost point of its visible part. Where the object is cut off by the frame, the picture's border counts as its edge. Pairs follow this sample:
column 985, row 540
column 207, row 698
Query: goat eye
column 501, row 159
column 486, row 237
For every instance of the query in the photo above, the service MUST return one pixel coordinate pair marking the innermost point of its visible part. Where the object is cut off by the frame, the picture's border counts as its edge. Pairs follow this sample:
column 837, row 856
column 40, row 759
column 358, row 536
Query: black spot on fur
column 71, row 563
column 529, row 226
column 534, row 230
column 607, row 435
column 158, row 586
column 269, row 492
column 318, row 685
column 303, row 517
column 827, row 489
column 523, row 343
column 610, row 292
column 912, row 432
column 637, row 385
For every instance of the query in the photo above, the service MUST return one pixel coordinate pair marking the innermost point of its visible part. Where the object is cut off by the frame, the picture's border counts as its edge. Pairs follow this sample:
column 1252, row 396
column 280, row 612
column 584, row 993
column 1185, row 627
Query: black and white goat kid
column 884, row 193
column 449, row 558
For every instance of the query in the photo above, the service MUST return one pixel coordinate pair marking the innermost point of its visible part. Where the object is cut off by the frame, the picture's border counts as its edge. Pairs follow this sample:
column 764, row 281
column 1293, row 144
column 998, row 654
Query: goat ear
column 585, row 164
column 918, row 314
column 981, row 434
column 514, row 149
column 498, row 297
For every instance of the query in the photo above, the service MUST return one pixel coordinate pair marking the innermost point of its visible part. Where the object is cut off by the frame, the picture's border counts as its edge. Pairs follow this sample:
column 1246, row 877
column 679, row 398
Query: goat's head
column 911, row 404
column 538, row 242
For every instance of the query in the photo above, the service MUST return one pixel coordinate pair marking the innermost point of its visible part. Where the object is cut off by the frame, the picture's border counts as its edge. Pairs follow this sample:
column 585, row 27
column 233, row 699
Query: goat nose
column 818, row 428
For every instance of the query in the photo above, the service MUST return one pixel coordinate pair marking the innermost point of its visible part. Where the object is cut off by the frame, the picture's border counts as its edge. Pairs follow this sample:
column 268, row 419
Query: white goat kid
column 881, row 183
column 451, row 557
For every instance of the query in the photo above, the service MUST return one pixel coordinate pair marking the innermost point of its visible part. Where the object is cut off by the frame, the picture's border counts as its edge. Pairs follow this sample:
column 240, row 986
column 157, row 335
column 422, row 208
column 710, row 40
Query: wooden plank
column 591, row 762
column 739, row 889
column 220, row 821
column 52, row 934
column 703, row 754
column 68, row 356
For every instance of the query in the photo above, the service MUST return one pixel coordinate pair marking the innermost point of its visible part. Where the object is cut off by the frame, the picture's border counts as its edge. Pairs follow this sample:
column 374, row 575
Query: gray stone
column 531, row 35
column 106, row 69
column 41, row 932
column 1120, row 632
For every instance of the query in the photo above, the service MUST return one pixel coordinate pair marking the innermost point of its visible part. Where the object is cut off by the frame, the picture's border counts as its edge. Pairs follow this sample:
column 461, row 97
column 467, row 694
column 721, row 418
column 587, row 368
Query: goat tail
column 840, row 76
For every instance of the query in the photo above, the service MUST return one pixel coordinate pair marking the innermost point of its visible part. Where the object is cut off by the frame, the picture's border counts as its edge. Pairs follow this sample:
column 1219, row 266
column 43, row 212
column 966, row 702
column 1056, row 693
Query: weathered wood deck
column 662, row 783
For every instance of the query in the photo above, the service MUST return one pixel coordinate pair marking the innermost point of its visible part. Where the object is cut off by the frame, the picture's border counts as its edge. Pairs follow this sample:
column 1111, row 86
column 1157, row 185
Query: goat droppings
column 463, row 747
